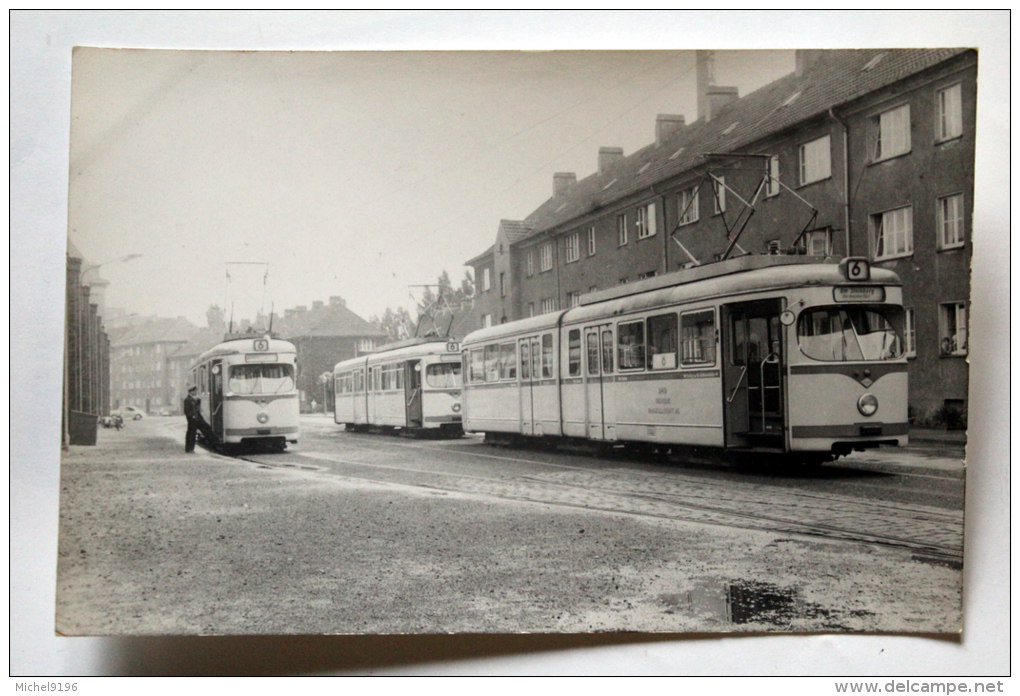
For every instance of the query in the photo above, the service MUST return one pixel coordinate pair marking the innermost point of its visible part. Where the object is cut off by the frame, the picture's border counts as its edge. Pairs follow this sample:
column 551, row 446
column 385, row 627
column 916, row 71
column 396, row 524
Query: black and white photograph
column 670, row 342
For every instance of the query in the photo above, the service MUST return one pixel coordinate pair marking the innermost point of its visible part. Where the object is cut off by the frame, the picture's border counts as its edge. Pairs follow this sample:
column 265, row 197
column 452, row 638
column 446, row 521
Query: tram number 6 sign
column 856, row 269
column 260, row 345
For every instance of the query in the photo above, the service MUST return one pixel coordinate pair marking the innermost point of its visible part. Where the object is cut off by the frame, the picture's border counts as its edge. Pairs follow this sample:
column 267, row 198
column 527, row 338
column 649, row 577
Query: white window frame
column 486, row 321
column 530, row 263
column 953, row 342
column 950, row 221
column 909, row 333
column 574, row 299
column 645, row 222
column 772, row 186
column 546, row 257
column 486, row 280
column 903, row 234
column 815, row 160
column 892, row 135
column 621, row 230
column 531, row 309
column 719, row 199
column 949, row 113
column 548, row 305
column 591, row 241
column 810, row 239
column 573, row 247
column 685, row 198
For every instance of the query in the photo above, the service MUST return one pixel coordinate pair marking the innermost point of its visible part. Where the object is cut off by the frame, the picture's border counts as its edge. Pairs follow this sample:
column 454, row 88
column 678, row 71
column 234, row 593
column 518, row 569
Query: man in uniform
column 193, row 412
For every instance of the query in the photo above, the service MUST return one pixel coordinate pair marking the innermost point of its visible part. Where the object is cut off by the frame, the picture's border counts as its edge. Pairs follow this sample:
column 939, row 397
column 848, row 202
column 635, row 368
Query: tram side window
column 477, row 365
column 593, row 353
column 737, row 340
column 548, row 358
column 359, row 381
column 507, row 361
column 632, row 345
column 399, row 373
column 492, row 363
column 574, row 352
column 697, row 332
column 607, row 351
column 525, row 360
column 662, row 342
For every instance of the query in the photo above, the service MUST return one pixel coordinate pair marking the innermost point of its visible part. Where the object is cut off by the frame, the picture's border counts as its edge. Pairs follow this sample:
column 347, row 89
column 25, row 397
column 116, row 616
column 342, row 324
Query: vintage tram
column 774, row 357
column 248, row 391
column 413, row 386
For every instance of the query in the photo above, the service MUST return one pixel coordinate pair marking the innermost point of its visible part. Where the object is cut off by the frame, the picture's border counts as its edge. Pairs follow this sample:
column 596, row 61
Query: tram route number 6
column 260, row 345
column 856, row 269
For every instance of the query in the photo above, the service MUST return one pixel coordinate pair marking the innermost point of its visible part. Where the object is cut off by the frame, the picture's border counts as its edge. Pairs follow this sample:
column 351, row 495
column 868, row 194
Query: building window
column 548, row 305
column 719, row 188
column 366, row 344
column 949, row 113
column 893, row 233
column 546, row 251
column 815, row 161
column 591, row 241
column 530, row 263
column 531, row 309
column 574, row 298
column 486, row 320
column 593, row 288
column 646, row 221
column 772, row 185
column 623, row 280
column 954, row 329
column 892, row 133
column 909, row 333
column 502, row 284
column 817, row 242
column 951, row 221
column 621, row 230
column 486, row 280
column 573, row 247
column 646, row 274
column 687, row 200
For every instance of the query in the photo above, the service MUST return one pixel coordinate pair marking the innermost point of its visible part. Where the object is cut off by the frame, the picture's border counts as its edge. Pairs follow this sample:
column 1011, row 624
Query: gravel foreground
column 156, row 542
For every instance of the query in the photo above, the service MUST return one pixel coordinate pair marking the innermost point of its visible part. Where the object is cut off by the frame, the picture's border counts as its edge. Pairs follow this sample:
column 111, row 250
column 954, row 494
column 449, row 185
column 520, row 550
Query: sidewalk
column 939, row 436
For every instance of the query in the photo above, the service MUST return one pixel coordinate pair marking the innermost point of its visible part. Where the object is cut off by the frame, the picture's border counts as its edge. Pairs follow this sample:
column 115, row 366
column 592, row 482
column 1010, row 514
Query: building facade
column 867, row 153
column 86, row 358
column 140, row 361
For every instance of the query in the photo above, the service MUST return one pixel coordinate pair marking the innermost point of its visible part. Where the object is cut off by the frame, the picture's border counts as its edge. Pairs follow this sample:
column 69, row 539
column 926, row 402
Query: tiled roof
column 837, row 78
column 483, row 257
column 328, row 320
column 516, row 230
column 178, row 330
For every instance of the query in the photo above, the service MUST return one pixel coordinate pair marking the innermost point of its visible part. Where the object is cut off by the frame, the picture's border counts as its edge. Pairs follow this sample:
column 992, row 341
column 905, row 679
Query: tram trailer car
column 413, row 386
column 249, row 392
column 771, row 357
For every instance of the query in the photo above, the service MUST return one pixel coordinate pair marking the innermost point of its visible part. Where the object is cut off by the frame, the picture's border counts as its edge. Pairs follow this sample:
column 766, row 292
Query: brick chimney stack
column 719, row 97
column 607, row 156
column 562, row 181
column 666, row 125
column 806, row 58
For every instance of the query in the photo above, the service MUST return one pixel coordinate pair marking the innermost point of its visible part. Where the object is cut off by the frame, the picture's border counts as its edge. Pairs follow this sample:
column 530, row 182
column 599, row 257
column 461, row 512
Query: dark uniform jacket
column 192, row 408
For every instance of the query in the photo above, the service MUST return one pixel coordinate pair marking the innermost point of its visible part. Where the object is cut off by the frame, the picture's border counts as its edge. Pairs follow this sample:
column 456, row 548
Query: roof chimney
column 562, row 181
column 317, row 304
column 337, row 301
column 806, row 58
column 300, row 309
column 706, row 78
column 719, row 97
column 666, row 125
column 607, row 156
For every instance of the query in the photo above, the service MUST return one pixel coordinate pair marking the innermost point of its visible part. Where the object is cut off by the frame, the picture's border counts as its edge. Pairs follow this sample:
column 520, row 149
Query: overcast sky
column 350, row 173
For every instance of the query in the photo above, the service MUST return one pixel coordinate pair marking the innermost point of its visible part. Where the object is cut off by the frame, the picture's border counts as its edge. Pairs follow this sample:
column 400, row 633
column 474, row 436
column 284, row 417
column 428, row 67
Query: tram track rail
column 930, row 532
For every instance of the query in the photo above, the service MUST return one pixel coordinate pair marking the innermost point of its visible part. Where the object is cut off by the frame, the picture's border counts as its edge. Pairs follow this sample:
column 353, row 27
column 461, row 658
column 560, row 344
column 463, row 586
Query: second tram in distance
column 777, row 357
column 248, row 391
column 413, row 386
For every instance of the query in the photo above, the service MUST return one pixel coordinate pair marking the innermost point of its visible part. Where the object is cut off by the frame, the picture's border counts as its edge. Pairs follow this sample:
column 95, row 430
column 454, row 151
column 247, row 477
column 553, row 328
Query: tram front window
column 843, row 334
column 261, row 379
column 443, row 375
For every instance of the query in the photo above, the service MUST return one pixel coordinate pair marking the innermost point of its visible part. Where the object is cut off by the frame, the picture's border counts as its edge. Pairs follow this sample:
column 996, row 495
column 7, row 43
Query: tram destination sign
column 858, row 293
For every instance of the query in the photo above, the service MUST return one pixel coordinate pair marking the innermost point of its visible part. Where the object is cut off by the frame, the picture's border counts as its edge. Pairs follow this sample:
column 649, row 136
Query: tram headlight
column 262, row 417
column 456, row 408
column 867, row 404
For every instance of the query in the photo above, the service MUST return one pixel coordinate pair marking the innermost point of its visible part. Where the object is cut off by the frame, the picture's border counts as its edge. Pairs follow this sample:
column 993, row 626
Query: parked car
column 129, row 413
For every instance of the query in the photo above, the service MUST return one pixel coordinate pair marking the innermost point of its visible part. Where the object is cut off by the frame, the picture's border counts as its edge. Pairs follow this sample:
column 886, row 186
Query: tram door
column 530, row 350
column 598, row 370
column 753, row 374
column 216, row 397
column 412, row 392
